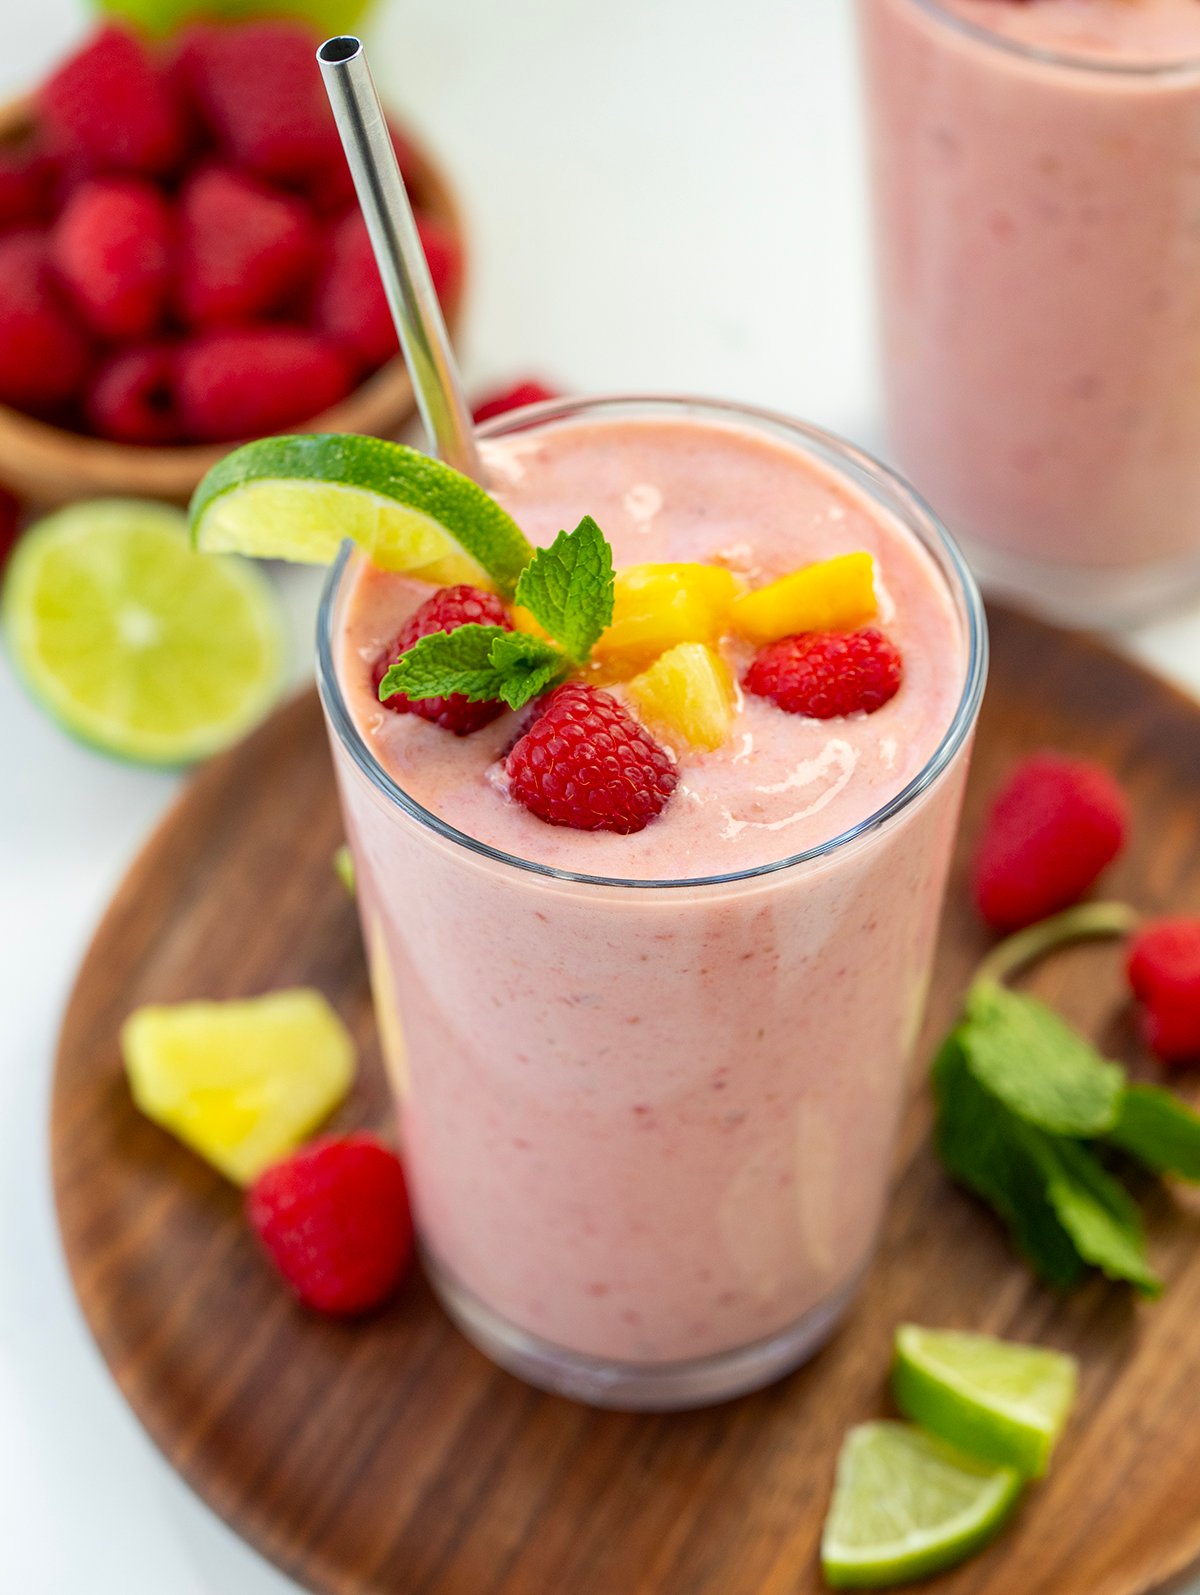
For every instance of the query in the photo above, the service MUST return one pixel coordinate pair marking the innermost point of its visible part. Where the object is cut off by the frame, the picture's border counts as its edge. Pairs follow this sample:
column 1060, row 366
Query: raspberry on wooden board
column 334, row 1219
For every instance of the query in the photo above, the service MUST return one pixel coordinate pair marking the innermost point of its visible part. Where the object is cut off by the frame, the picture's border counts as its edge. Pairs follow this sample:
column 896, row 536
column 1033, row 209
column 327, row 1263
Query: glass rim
column 958, row 575
column 1138, row 70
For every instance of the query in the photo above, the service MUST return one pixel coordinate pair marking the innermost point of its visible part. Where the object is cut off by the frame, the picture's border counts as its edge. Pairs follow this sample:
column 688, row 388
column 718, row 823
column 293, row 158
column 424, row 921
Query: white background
column 660, row 194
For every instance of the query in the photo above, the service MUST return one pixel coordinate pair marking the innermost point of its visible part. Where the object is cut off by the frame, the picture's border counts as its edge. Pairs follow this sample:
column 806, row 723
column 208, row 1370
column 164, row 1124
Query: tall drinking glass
column 648, row 1123
column 1036, row 176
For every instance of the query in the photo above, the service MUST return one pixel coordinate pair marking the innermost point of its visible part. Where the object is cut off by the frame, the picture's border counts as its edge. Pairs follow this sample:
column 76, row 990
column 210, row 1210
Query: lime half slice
column 906, row 1505
column 1005, row 1402
column 133, row 641
column 297, row 498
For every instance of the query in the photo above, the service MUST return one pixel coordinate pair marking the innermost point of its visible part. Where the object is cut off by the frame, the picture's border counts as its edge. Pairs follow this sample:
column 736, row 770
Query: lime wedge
column 1004, row 1402
column 135, row 643
column 906, row 1505
column 297, row 498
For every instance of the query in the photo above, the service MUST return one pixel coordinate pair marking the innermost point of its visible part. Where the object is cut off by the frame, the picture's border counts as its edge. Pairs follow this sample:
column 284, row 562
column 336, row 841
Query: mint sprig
column 485, row 664
column 567, row 588
column 1027, row 1108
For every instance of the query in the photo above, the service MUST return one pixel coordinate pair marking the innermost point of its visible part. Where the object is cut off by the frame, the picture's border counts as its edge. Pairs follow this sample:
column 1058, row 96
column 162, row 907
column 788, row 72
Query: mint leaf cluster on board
column 1028, row 1110
column 567, row 588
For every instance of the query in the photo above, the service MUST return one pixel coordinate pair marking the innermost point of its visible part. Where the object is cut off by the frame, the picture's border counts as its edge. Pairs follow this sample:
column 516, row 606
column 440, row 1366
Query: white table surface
column 661, row 194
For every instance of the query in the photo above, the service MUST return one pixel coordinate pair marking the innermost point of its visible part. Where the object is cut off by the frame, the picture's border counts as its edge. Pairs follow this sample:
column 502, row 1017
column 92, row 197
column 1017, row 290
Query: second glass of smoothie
column 648, row 1084
column 1037, row 205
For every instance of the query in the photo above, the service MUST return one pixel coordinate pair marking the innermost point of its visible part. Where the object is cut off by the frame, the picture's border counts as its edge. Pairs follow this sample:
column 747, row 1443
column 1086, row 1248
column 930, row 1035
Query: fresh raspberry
column 1055, row 825
column 1164, row 972
column 27, row 178
column 442, row 253
column 334, row 1219
column 585, row 762
column 530, row 391
column 245, row 249
column 824, row 674
column 110, row 107
column 44, row 354
column 240, row 383
column 447, row 610
column 112, row 248
column 350, row 305
column 132, row 397
column 10, row 515
column 258, row 88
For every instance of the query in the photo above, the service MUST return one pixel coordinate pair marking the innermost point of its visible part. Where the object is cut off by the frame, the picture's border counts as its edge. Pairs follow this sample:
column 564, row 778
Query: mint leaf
column 1096, row 1211
column 445, row 662
column 1037, row 1065
column 983, row 1147
column 568, row 588
column 526, row 666
column 1159, row 1130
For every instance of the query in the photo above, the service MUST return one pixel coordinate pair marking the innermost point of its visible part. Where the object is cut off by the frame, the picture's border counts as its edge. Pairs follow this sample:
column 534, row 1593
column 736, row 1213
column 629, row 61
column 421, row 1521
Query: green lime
column 297, row 498
column 906, row 1505
column 135, row 642
column 1001, row 1401
column 164, row 16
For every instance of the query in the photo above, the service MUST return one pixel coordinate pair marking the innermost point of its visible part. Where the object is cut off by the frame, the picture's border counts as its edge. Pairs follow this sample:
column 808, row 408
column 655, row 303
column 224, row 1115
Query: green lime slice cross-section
column 298, row 498
column 994, row 1398
column 906, row 1505
column 134, row 642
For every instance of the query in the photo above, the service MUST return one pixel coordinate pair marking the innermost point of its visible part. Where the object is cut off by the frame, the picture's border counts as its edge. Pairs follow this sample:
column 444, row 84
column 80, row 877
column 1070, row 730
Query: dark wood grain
column 389, row 1458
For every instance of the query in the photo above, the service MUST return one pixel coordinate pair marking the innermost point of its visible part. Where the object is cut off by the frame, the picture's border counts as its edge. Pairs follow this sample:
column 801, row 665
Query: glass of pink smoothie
column 1037, row 200
column 648, row 1084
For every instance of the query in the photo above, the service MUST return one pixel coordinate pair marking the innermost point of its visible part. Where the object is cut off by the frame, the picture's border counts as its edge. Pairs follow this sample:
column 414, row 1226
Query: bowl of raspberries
column 183, row 264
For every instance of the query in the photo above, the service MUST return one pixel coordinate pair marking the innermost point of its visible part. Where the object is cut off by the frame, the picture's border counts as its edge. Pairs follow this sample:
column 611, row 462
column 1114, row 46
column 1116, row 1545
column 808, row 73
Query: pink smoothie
column 653, row 1124
column 1038, row 230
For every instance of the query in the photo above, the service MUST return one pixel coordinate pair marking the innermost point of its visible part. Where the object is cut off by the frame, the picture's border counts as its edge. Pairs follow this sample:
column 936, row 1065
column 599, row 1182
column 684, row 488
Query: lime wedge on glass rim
column 1001, row 1401
column 133, row 642
column 906, row 1505
column 298, row 498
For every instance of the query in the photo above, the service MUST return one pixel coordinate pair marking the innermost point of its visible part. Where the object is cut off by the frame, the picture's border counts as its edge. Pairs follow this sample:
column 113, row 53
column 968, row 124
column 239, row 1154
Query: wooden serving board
column 390, row 1458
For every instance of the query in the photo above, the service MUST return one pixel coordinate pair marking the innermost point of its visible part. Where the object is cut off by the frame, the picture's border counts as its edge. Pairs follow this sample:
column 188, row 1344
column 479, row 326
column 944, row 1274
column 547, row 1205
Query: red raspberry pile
column 181, row 255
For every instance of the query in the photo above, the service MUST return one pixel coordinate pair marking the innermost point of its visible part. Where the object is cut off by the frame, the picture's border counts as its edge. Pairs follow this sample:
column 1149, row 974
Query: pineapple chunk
column 834, row 595
column 241, row 1083
column 687, row 693
column 657, row 606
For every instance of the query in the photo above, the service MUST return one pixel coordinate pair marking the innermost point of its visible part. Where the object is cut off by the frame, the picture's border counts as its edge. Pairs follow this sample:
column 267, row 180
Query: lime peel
column 298, row 498
column 906, row 1505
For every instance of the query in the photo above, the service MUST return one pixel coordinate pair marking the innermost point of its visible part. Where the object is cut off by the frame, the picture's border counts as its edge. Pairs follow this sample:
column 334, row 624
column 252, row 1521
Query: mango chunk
column 832, row 595
column 688, row 694
column 241, row 1083
column 657, row 606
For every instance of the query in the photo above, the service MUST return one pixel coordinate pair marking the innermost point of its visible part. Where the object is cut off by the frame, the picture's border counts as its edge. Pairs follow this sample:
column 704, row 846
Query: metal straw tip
column 334, row 52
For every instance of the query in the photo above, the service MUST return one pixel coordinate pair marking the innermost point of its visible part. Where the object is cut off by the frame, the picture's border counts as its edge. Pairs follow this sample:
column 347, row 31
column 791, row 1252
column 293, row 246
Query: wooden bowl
column 49, row 465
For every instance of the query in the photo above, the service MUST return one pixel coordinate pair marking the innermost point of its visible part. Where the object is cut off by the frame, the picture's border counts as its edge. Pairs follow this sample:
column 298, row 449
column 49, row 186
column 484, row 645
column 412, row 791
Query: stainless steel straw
column 398, row 253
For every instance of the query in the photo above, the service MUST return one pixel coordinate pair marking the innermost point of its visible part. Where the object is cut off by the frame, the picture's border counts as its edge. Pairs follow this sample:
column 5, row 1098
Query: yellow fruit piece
column 657, row 606
column 241, row 1083
column 688, row 693
column 523, row 620
column 834, row 595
